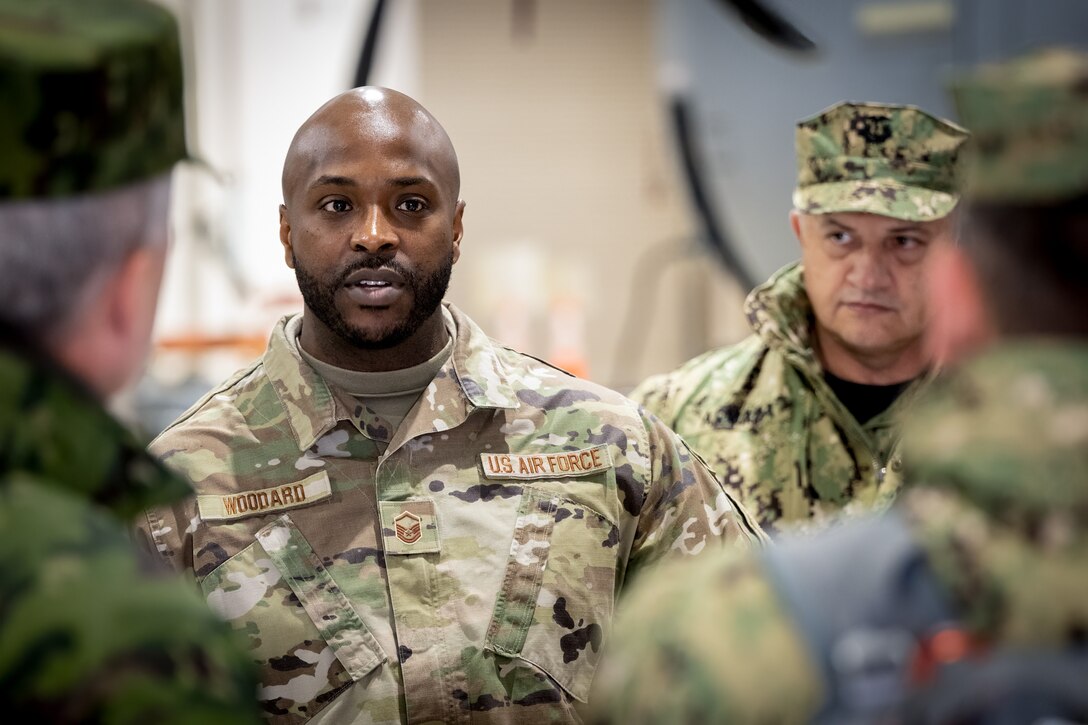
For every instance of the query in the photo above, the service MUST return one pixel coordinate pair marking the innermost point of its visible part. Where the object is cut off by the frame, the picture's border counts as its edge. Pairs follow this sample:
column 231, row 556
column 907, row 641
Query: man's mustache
column 371, row 261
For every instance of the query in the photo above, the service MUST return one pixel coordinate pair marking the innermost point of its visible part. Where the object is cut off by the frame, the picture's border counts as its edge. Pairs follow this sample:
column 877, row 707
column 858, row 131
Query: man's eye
column 907, row 242
column 839, row 237
column 412, row 205
column 336, row 205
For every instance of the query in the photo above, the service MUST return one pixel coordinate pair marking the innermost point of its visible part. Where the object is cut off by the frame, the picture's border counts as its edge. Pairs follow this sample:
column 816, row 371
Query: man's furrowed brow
column 330, row 180
column 405, row 181
column 826, row 220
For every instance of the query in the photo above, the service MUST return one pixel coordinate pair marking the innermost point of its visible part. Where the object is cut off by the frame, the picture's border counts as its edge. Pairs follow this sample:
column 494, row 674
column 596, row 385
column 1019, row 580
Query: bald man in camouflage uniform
column 91, row 93
column 799, row 419
column 410, row 522
column 966, row 602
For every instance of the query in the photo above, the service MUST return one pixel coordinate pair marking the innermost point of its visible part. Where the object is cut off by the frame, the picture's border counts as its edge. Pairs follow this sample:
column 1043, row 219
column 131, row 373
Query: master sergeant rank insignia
column 407, row 527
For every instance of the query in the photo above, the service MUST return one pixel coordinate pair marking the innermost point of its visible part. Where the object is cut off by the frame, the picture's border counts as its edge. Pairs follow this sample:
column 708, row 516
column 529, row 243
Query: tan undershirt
column 390, row 394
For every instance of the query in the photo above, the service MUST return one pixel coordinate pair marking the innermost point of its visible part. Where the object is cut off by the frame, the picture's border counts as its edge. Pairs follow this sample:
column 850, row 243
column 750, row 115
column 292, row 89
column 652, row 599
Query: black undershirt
column 865, row 402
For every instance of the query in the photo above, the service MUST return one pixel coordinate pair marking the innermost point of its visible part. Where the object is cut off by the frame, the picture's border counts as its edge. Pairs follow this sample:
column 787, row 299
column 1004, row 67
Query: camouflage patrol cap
column 1029, row 118
column 896, row 161
column 91, row 92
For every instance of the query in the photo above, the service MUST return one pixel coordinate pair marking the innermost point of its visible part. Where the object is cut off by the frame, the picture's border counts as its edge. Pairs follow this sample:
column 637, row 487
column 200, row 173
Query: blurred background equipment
column 746, row 93
column 639, row 148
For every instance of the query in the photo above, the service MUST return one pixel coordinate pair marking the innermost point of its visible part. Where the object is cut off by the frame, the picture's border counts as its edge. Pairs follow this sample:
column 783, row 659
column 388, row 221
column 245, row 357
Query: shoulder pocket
column 557, row 594
column 303, row 631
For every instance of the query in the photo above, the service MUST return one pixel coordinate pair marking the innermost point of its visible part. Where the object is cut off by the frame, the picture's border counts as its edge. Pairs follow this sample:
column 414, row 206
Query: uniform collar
column 474, row 377
column 476, row 366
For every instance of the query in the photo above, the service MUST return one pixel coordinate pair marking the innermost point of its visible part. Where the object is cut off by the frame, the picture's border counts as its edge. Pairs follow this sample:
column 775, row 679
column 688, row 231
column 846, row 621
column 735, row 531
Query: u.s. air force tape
column 560, row 464
column 219, row 507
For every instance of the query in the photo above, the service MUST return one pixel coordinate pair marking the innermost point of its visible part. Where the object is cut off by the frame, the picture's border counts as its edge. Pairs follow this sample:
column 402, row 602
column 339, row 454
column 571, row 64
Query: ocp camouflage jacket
column 764, row 418
column 87, row 634
column 466, row 574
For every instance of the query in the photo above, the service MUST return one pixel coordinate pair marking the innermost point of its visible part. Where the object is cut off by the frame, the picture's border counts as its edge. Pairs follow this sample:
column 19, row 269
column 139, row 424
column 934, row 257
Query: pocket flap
column 317, row 592
column 556, row 600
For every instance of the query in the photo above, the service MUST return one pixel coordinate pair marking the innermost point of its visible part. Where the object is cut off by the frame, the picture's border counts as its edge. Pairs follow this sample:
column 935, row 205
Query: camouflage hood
column 969, row 433
column 54, row 431
column 780, row 313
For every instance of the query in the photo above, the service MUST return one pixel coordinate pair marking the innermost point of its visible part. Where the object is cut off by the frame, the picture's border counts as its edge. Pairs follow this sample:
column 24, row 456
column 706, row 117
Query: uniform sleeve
column 705, row 641
column 89, row 636
column 166, row 531
column 685, row 511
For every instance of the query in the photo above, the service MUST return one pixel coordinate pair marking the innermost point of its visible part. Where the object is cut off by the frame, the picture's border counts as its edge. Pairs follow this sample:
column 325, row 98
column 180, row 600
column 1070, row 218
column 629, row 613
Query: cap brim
column 876, row 196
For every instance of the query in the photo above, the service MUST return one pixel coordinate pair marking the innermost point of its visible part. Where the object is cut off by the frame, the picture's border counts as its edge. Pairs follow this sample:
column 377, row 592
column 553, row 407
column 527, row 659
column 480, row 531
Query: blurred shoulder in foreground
column 91, row 128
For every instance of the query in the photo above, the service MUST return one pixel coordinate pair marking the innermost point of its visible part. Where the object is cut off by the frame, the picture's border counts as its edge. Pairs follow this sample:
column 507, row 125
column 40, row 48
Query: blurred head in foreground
column 1022, row 266
column 92, row 126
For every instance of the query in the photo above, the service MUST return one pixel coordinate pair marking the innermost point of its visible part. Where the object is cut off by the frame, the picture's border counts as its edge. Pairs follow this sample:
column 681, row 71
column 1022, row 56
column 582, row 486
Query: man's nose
column 374, row 233
column 870, row 270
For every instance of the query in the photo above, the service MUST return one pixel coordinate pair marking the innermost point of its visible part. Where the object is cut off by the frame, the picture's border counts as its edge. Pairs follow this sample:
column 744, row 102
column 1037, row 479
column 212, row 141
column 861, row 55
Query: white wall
column 256, row 69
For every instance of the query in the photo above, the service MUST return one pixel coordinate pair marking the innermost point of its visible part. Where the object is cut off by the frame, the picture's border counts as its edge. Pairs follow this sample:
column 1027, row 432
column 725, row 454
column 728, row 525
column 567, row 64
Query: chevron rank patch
column 409, row 527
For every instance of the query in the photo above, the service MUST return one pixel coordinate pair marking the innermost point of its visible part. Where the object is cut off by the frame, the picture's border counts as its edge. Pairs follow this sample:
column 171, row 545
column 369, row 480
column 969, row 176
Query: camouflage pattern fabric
column 82, row 635
column 467, row 574
column 92, row 95
column 1008, row 440
column 764, row 418
column 706, row 642
column 1000, row 453
column 1030, row 121
column 896, row 161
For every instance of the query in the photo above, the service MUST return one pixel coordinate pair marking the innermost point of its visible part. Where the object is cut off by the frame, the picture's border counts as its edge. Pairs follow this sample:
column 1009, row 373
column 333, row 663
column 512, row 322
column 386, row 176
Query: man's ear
column 126, row 284
column 106, row 342
column 134, row 304
column 960, row 321
column 285, row 238
column 795, row 225
column 458, row 229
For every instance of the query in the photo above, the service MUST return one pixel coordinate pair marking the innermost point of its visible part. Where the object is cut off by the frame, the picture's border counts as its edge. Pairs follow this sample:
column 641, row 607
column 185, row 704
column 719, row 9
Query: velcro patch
column 561, row 464
column 223, row 507
column 409, row 527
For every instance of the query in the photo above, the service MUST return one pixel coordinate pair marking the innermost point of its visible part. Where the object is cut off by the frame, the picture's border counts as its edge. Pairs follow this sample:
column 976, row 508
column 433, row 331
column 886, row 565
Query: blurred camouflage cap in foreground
column 1029, row 118
column 91, row 92
column 896, row 161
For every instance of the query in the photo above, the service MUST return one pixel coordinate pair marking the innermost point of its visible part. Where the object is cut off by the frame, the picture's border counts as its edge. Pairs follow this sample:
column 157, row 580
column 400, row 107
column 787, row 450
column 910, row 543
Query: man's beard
column 427, row 292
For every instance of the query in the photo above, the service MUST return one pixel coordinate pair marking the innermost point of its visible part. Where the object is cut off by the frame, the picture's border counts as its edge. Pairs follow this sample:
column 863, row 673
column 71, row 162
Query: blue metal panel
column 746, row 94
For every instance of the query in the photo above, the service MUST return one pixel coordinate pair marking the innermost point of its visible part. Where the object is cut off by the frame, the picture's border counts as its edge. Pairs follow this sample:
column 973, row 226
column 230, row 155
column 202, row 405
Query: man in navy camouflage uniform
column 800, row 419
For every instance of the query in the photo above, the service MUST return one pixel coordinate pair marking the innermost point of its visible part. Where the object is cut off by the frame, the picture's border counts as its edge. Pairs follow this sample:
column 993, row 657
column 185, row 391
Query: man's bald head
column 372, row 225
column 369, row 116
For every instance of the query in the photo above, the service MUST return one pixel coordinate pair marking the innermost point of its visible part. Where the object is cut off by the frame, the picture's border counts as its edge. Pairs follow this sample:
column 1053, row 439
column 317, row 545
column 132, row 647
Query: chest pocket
column 303, row 631
column 557, row 593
